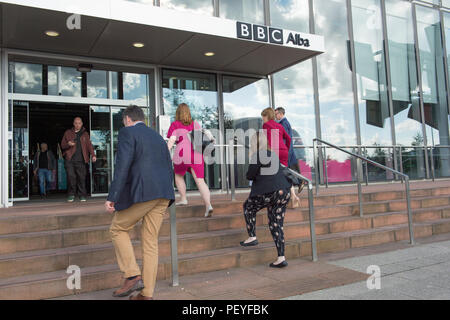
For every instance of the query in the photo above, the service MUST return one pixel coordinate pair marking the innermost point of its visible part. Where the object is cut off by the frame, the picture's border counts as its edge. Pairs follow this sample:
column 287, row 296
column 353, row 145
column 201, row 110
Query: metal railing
column 174, row 245
column 230, row 170
column 318, row 162
column 312, row 223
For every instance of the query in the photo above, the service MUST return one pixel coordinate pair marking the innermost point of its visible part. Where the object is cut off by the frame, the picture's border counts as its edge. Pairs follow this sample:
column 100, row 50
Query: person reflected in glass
column 271, row 190
column 43, row 166
column 185, row 159
column 280, row 115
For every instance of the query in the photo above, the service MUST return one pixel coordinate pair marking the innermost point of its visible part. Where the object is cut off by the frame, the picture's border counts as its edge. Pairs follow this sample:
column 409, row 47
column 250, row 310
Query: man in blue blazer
column 280, row 115
column 142, row 189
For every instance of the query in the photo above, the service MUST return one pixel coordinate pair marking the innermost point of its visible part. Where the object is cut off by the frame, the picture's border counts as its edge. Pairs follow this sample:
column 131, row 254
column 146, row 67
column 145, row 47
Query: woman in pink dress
column 185, row 159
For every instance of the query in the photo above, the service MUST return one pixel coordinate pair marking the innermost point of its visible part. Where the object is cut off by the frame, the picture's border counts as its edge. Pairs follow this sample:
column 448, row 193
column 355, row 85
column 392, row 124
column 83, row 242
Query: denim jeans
column 45, row 178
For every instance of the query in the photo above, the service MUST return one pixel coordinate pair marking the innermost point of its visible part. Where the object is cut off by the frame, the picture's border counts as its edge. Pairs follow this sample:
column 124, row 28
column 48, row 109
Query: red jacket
column 278, row 132
column 86, row 145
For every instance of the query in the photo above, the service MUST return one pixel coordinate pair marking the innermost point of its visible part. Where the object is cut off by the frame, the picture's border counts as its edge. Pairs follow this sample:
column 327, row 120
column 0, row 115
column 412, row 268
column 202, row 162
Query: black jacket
column 265, row 178
column 143, row 169
column 51, row 160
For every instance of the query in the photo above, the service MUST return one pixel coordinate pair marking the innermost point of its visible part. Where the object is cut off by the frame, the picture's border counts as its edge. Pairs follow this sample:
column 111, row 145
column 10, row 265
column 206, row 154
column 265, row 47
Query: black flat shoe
column 250, row 244
column 280, row 265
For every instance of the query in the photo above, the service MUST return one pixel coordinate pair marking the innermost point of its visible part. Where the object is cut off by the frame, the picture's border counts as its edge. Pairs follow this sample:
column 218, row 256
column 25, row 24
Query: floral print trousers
column 276, row 204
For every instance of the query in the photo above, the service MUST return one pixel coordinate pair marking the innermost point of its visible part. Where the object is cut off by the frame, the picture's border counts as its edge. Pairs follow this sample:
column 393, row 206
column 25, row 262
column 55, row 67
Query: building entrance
column 37, row 122
column 47, row 123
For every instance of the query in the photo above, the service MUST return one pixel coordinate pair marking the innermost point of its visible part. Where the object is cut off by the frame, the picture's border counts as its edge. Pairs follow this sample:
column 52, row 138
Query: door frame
column 11, row 159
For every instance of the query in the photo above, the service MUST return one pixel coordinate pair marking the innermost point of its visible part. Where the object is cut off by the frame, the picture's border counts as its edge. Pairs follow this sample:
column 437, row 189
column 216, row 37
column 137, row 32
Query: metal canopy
column 171, row 38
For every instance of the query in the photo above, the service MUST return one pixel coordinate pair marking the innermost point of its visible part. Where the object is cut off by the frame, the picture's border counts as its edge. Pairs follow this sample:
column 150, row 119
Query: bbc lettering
column 268, row 34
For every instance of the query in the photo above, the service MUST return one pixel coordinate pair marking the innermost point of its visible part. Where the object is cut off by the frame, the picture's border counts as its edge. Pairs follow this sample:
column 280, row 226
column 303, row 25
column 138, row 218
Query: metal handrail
column 317, row 156
column 174, row 245
column 312, row 223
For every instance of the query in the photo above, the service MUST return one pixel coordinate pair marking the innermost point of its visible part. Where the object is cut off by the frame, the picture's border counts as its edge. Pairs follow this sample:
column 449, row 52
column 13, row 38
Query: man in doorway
column 141, row 190
column 77, row 149
column 43, row 166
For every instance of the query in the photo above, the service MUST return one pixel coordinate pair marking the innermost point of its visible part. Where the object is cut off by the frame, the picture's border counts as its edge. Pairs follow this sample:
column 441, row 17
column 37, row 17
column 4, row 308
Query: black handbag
column 291, row 177
column 201, row 144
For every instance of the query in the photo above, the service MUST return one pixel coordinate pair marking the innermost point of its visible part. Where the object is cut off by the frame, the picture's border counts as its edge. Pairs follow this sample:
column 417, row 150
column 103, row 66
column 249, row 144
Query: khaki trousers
column 151, row 213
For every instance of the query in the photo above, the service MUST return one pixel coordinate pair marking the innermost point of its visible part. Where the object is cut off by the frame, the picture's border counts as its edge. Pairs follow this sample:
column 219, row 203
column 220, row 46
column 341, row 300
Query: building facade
column 380, row 86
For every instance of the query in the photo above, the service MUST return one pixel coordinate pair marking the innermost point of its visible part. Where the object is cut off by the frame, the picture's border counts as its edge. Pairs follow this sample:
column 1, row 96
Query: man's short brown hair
column 281, row 110
column 135, row 113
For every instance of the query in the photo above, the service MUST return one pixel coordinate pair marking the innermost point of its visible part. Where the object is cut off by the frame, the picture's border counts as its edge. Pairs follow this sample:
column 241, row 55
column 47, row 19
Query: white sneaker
column 182, row 203
column 208, row 213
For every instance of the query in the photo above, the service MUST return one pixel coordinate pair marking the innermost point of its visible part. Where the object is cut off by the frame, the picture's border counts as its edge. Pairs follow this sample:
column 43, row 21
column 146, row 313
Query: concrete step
column 191, row 220
column 46, row 260
column 67, row 237
column 53, row 284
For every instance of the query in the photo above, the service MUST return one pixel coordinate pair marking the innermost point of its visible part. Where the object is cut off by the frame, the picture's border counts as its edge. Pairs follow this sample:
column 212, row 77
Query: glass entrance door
column 106, row 123
column 20, row 159
column 199, row 92
column 101, row 170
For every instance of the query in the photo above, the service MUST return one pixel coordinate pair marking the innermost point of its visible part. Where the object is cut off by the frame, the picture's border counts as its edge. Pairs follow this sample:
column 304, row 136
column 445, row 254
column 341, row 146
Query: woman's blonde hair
column 183, row 114
column 258, row 142
column 269, row 113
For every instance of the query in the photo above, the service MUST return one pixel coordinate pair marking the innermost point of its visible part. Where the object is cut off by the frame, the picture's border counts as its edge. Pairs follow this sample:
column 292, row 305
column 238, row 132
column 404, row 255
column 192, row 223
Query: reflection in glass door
column 243, row 101
column 20, row 157
column 199, row 92
column 101, row 171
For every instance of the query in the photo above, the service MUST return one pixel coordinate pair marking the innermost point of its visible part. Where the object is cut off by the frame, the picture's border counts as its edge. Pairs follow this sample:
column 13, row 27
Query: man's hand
column 71, row 143
column 94, row 159
column 109, row 206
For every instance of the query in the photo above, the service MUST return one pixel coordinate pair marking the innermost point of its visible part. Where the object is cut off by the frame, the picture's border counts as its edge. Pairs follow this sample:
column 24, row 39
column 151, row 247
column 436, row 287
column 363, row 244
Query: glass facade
column 382, row 84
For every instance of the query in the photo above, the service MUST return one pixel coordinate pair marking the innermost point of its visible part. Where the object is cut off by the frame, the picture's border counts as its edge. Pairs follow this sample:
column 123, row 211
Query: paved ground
column 419, row 272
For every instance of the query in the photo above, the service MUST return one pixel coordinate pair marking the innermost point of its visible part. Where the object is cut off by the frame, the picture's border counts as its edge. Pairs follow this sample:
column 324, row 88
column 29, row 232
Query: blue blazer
column 143, row 168
column 287, row 126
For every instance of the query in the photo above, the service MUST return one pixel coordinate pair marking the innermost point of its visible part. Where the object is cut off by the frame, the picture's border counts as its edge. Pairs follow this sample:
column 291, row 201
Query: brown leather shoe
column 140, row 297
column 129, row 286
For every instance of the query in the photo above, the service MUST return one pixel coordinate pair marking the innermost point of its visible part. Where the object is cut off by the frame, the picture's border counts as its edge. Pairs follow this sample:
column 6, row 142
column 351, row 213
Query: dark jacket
column 264, row 178
column 86, row 145
column 287, row 127
column 143, row 168
column 51, row 160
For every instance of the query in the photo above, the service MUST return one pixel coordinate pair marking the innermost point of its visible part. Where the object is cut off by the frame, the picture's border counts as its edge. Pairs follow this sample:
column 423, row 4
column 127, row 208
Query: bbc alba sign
column 272, row 35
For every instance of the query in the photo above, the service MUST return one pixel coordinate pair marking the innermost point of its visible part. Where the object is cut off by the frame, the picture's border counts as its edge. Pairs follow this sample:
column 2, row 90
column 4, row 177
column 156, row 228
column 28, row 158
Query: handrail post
column 366, row 169
column 312, row 222
column 410, row 216
column 325, row 165
column 174, row 245
column 232, row 177
column 400, row 155
column 433, row 172
column 316, row 164
column 359, row 178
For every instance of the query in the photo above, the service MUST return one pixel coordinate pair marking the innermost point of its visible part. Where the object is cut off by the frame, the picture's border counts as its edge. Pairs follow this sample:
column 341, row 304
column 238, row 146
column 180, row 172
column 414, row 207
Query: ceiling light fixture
column 84, row 67
column 138, row 45
column 209, row 54
column 51, row 33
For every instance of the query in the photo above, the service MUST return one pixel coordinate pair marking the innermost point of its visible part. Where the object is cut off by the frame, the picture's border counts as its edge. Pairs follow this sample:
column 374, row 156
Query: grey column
column 4, row 174
column 419, row 76
column 389, row 79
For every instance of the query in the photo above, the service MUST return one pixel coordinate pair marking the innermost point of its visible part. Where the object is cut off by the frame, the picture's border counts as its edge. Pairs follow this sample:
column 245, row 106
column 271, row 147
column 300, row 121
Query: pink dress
column 185, row 158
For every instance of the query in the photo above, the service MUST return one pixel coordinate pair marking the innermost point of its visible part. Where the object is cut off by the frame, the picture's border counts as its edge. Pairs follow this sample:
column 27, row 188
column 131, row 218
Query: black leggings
column 276, row 203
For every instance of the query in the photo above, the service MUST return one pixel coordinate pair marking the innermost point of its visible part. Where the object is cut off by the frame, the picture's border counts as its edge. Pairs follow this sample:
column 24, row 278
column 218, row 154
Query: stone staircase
column 39, row 242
